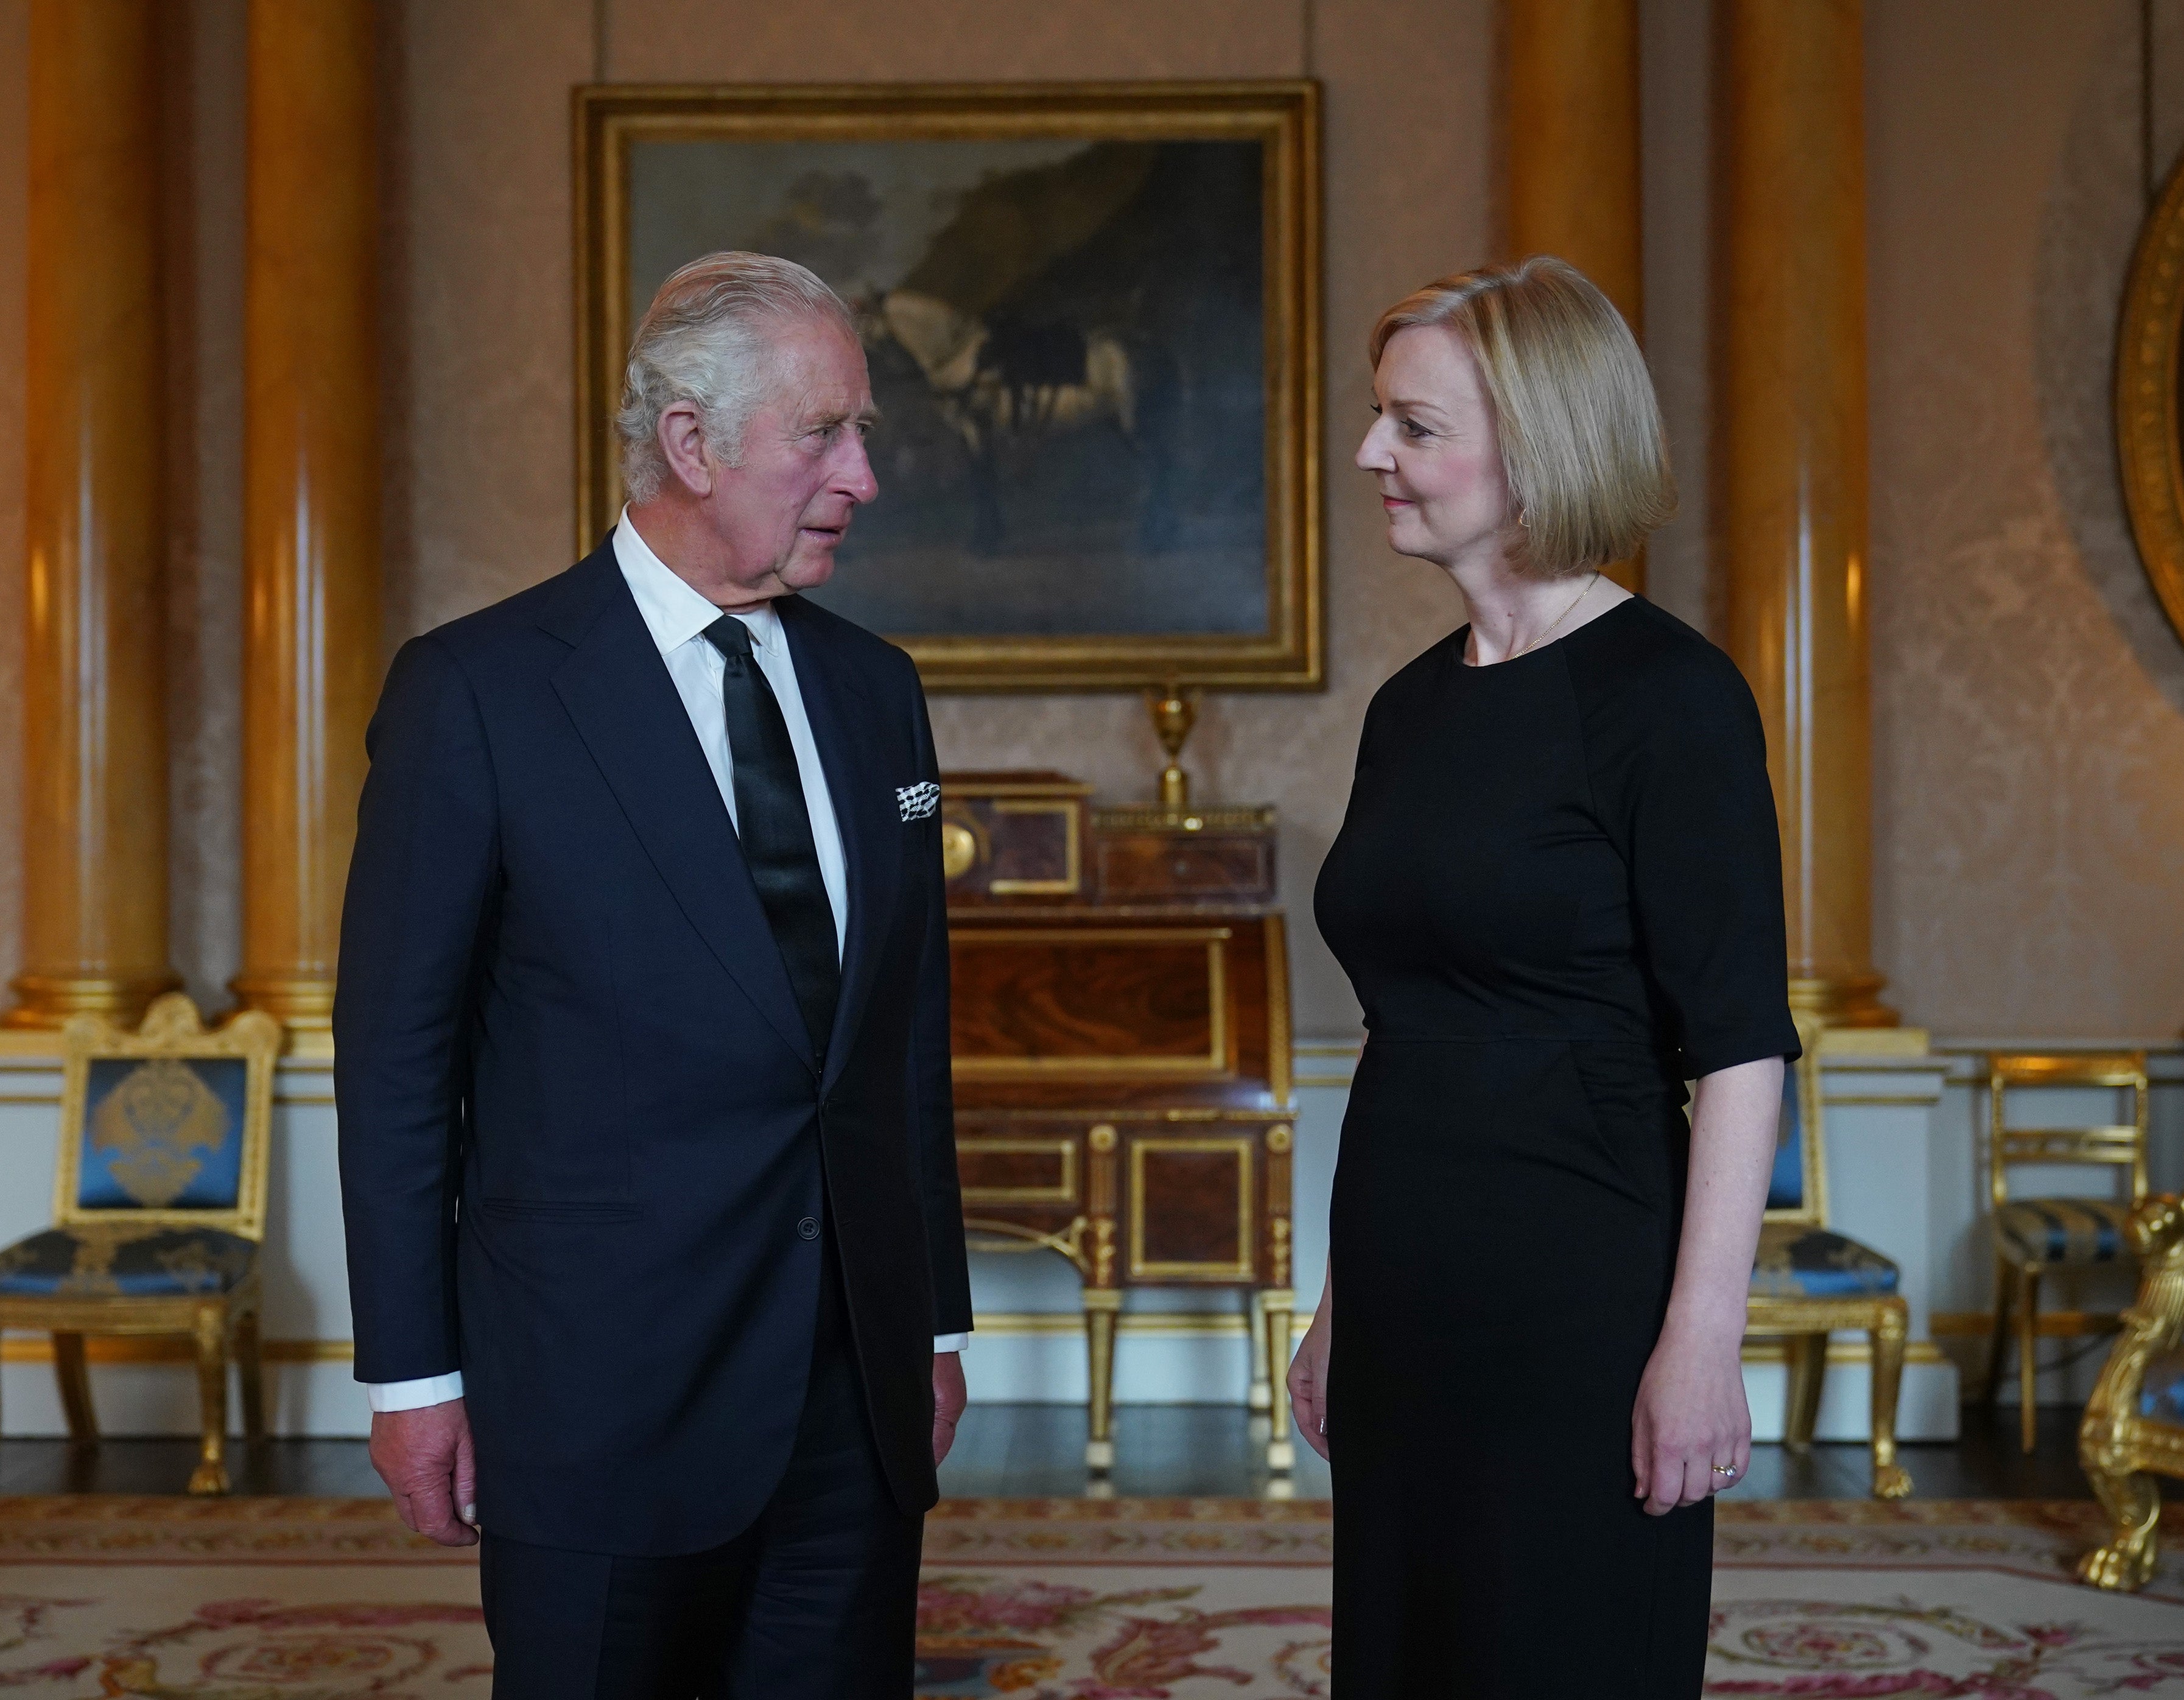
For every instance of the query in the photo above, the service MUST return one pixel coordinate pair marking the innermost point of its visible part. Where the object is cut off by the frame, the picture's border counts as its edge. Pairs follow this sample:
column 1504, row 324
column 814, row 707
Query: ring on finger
column 1727, row 1472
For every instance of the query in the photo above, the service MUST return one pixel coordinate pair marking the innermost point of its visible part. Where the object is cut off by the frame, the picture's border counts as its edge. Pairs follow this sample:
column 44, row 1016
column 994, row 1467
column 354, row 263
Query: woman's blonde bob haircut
column 1580, row 431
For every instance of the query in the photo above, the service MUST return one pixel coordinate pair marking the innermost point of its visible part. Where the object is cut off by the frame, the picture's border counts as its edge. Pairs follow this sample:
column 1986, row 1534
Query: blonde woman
column 1558, row 894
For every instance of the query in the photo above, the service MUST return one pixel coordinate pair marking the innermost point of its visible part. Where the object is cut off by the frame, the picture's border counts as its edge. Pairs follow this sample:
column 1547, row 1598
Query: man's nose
column 856, row 481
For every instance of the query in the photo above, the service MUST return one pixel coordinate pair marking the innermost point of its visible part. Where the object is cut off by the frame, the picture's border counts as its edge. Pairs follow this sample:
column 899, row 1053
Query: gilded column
column 1790, row 480
column 312, row 638
column 94, row 755
column 1573, row 150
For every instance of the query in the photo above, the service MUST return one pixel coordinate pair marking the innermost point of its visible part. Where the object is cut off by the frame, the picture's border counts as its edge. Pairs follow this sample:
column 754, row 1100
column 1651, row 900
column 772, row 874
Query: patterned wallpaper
column 2029, row 712
column 2029, row 701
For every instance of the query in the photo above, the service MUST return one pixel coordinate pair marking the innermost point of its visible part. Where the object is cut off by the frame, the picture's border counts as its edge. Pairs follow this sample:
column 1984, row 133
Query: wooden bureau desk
column 1122, row 1096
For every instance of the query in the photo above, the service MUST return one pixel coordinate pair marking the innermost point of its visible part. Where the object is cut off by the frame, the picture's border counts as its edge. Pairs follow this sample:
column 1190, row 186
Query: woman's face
column 1434, row 450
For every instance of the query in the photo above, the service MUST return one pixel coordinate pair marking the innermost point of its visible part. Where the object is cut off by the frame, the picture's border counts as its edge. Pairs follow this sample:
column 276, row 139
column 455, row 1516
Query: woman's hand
column 1690, row 1416
column 1308, row 1377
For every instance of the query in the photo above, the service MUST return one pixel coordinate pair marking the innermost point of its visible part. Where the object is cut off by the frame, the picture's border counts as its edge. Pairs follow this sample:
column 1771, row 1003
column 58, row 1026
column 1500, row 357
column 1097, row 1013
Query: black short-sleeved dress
column 1558, row 894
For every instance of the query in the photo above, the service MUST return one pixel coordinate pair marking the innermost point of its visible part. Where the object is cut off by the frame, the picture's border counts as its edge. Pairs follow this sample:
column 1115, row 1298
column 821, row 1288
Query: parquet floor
column 1037, row 1450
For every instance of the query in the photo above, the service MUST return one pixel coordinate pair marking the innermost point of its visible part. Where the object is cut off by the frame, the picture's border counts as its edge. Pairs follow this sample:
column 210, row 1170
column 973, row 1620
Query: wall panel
column 2029, row 698
column 2029, row 702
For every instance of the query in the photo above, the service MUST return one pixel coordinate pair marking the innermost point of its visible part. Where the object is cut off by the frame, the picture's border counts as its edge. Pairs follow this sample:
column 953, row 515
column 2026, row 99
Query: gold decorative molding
column 1143, row 1268
column 1184, row 1324
column 1979, row 1325
column 2149, row 449
column 1841, row 1352
column 160, row 1348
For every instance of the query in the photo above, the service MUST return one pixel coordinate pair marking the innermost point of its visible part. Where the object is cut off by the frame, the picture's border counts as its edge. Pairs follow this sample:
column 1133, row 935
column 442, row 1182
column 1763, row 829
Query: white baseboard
column 1927, row 1407
column 319, row 1401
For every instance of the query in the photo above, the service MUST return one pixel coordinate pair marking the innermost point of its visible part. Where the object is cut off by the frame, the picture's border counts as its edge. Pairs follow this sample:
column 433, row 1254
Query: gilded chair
column 1808, row 1279
column 2133, row 1428
column 2034, row 1235
column 158, row 1208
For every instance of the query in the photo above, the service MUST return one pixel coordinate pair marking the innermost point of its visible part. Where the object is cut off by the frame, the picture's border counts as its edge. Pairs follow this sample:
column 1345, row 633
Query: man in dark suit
column 641, row 1044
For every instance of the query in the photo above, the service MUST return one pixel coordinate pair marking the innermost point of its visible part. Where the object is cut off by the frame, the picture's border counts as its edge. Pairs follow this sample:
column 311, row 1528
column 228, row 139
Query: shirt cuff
column 415, row 1395
column 949, row 1342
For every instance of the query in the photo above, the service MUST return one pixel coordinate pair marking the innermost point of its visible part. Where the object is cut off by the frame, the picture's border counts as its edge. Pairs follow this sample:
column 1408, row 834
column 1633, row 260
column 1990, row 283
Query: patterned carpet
column 301, row 1599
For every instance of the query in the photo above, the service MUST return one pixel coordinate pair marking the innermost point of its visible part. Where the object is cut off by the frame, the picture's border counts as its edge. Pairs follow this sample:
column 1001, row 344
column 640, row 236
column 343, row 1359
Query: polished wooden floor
column 1036, row 1451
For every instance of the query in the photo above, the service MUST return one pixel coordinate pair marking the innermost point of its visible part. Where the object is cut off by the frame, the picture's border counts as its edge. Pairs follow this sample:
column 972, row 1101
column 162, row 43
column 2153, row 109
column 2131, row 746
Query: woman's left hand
column 1690, row 1416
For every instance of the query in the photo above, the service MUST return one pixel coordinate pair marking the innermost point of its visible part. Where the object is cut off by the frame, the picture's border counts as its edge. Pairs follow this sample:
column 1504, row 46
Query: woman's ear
column 682, row 444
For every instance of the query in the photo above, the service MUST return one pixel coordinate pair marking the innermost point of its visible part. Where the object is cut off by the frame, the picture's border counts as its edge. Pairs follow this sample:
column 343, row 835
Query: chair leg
column 250, row 1366
column 1890, row 1480
column 75, row 1388
column 210, row 1475
column 2028, row 1356
column 1806, row 1357
column 1259, row 1397
column 1100, row 1309
column 1997, row 1351
column 1281, row 1449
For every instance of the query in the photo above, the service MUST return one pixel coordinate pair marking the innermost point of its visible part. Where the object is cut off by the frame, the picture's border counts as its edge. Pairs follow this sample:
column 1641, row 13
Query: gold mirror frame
column 2148, row 448
column 1290, row 653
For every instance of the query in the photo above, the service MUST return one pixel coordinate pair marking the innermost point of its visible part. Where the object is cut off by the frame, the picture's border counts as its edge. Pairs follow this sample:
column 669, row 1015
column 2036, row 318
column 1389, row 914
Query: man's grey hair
column 704, row 339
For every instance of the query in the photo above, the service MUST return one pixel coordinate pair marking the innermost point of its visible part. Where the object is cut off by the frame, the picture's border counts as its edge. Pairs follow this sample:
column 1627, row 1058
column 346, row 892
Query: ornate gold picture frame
column 1092, row 315
column 2149, row 449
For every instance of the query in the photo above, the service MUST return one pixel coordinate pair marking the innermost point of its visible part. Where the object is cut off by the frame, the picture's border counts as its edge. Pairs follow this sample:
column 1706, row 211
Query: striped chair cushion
column 2037, row 1233
column 1799, row 1261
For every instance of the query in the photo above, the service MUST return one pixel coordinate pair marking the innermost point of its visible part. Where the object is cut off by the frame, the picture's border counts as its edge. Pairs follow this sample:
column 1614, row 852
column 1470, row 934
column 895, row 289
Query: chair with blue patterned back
column 1807, row 1279
column 2034, row 1235
column 158, row 1208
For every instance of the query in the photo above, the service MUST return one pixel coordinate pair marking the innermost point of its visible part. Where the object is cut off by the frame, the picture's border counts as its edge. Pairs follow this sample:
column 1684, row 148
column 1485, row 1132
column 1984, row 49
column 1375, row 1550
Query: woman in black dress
column 1558, row 894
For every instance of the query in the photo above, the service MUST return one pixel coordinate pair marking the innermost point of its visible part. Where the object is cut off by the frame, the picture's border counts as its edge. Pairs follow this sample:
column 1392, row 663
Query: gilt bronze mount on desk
column 1170, row 850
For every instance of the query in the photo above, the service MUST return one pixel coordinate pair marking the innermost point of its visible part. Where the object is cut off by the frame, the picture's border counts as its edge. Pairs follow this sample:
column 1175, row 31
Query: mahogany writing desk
column 1121, row 1077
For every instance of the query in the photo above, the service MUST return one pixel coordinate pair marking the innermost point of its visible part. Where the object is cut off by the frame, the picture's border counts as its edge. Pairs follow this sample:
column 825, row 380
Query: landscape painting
column 1087, row 344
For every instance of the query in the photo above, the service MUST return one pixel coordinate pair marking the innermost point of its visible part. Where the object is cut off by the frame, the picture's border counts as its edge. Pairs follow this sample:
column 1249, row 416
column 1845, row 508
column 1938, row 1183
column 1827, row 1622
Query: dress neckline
column 1462, row 638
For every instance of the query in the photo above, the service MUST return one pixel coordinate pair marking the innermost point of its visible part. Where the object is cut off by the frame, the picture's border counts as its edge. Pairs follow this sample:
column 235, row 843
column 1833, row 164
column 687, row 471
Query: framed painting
column 2149, row 397
column 1091, row 314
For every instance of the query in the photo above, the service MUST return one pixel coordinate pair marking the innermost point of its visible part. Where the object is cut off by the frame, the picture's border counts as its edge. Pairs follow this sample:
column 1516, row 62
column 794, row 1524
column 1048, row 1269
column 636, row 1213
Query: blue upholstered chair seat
column 1797, row 1260
column 2033, row 1233
column 129, row 1263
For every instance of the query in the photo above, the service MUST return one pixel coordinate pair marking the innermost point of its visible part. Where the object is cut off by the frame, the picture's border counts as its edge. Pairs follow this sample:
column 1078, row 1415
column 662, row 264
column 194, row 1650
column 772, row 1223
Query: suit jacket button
column 808, row 1229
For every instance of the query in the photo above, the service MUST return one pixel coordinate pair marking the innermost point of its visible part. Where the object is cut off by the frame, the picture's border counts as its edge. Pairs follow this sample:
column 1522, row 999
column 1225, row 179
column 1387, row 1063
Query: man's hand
column 425, row 1458
column 949, row 1398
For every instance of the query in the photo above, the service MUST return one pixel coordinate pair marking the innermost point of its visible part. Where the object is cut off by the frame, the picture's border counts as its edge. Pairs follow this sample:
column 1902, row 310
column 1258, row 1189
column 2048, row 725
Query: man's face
column 781, row 515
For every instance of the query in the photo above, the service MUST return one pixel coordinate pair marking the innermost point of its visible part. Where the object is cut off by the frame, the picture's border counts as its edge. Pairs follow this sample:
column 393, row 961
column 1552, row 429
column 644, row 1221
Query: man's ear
column 682, row 441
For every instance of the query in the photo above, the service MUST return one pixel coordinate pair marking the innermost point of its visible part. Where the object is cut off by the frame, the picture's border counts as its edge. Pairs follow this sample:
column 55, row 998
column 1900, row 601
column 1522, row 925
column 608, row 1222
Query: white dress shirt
column 677, row 617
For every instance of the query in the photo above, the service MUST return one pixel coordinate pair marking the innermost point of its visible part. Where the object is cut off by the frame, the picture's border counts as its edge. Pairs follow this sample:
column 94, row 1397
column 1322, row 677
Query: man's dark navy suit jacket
column 585, row 1146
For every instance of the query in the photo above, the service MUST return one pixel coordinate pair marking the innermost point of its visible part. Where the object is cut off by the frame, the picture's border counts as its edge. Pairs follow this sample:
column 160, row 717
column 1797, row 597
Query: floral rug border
column 115, row 1529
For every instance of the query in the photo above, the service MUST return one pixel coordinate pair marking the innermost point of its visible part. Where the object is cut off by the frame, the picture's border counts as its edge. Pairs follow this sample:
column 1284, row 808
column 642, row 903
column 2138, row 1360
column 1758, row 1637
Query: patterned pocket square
column 918, row 801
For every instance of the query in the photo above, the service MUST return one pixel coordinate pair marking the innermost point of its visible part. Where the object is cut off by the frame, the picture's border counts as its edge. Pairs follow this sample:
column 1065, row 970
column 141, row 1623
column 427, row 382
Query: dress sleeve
column 1686, row 788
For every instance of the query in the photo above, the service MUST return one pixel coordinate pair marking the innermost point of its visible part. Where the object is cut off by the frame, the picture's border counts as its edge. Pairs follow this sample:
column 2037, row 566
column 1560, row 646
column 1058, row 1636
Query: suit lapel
column 863, row 795
column 617, row 691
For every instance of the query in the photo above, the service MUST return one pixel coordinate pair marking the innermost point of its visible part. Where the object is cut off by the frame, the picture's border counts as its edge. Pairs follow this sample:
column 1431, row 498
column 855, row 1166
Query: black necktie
column 774, row 827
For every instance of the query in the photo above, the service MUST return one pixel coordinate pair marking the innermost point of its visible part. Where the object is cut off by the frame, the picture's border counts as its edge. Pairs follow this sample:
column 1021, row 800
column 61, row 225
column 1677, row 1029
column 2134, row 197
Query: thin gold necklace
column 1559, row 618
